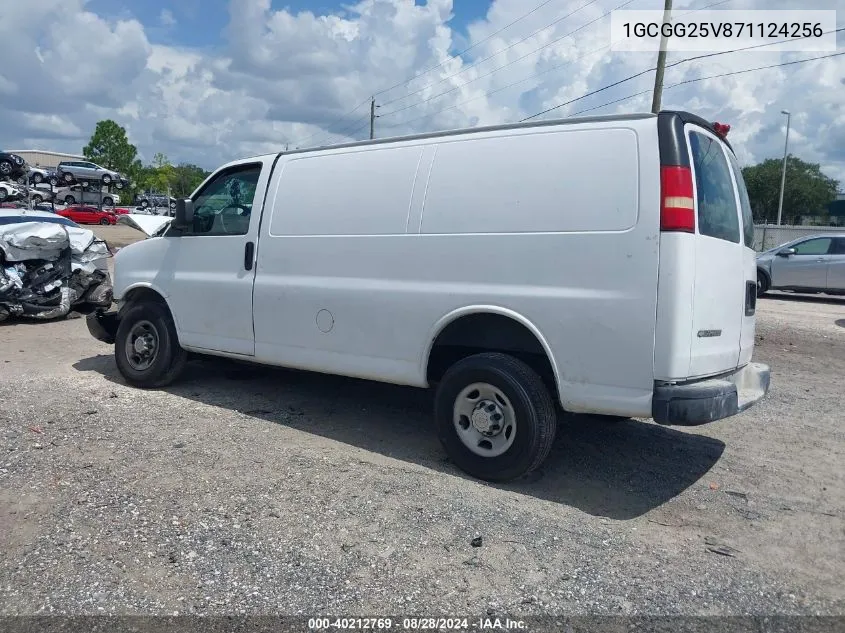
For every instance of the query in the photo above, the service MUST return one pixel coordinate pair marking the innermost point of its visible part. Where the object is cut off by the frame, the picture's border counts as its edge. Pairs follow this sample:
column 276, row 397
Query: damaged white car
column 49, row 264
column 151, row 225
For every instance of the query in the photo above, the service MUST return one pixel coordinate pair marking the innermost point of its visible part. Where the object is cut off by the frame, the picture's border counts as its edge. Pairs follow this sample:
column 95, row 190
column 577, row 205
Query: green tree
column 161, row 173
column 160, row 160
column 807, row 192
column 110, row 147
column 186, row 178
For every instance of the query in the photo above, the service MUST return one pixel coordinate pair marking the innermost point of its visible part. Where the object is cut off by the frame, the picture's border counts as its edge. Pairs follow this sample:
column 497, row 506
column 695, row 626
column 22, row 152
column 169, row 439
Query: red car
column 87, row 215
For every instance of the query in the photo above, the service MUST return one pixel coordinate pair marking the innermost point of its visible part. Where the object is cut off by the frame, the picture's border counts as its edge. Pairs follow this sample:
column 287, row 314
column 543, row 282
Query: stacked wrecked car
column 49, row 266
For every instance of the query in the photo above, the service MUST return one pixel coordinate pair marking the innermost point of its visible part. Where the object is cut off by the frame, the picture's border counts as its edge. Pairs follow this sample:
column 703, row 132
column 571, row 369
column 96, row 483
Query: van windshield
column 716, row 202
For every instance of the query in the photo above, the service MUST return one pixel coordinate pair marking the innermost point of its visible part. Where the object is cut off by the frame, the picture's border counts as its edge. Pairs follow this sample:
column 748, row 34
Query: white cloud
column 167, row 18
column 279, row 77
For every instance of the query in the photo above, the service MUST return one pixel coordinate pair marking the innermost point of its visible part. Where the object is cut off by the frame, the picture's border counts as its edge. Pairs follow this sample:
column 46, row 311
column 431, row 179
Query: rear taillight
column 677, row 208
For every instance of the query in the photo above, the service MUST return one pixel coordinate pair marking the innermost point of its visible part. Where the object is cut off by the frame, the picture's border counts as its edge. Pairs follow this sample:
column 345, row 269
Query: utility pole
column 661, row 60
column 372, row 117
column 783, row 173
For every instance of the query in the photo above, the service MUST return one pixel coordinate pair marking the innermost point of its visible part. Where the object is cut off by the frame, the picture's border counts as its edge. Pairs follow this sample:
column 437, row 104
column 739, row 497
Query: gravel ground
column 118, row 235
column 259, row 491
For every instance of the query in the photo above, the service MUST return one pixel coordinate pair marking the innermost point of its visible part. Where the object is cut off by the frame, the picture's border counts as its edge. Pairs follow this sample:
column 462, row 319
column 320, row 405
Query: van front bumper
column 103, row 325
column 703, row 401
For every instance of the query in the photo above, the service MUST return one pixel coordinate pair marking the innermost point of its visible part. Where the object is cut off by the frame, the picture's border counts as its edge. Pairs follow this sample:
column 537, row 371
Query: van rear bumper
column 703, row 401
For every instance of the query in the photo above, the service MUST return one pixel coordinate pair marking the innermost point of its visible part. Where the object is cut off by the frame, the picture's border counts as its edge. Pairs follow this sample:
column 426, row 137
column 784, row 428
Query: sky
column 209, row 81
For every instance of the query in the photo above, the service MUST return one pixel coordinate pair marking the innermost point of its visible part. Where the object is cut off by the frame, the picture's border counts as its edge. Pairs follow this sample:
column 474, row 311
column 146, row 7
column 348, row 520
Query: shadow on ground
column 836, row 300
column 619, row 470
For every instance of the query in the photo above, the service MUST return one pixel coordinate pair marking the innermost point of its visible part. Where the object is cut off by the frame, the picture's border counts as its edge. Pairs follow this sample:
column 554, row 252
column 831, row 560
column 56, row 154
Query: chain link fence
column 768, row 236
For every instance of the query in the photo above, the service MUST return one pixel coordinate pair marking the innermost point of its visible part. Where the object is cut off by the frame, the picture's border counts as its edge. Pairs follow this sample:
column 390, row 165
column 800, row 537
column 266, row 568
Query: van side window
column 224, row 206
column 744, row 202
column 838, row 246
column 818, row 246
column 717, row 212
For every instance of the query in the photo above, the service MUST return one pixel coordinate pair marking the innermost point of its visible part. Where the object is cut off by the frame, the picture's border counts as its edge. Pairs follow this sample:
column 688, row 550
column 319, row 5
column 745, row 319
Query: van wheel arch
column 137, row 296
column 485, row 331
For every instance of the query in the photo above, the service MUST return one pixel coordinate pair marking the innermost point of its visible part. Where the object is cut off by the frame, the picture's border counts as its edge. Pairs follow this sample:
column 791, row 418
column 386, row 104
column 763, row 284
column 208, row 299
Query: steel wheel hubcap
column 484, row 419
column 142, row 345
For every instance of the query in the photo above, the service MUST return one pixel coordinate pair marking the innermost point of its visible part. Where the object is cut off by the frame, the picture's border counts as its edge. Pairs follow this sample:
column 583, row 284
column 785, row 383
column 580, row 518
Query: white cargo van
column 603, row 264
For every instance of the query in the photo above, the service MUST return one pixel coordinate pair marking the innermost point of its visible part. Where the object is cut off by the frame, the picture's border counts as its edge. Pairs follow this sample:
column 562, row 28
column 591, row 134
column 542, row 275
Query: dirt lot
column 265, row 491
column 118, row 235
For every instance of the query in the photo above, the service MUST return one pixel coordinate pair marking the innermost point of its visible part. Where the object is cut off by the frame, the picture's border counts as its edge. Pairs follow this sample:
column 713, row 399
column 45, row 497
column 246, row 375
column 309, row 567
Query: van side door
column 212, row 264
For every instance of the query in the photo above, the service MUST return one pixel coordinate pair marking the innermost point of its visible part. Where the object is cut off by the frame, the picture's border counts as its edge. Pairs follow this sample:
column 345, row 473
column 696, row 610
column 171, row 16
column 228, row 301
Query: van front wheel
column 495, row 417
column 146, row 348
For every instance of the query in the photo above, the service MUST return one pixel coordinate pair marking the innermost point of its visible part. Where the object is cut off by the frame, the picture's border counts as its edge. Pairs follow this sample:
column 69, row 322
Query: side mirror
column 786, row 252
column 184, row 217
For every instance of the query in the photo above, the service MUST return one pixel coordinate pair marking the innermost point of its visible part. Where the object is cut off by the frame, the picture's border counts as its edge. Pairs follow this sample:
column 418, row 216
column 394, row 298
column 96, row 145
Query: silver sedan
column 813, row 263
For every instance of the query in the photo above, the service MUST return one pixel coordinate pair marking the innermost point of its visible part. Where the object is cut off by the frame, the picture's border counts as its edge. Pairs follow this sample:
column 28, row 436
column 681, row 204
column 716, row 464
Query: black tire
column 169, row 359
column 67, row 177
column 763, row 283
column 533, row 409
column 37, row 199
column 172, row 204
column 37, row 178
column 70, row 200
column 6, row 168
column 3, row 195
column 106, row 180
column 54, row 182
column 104, row 222
column 109, row 202
column 144, row 204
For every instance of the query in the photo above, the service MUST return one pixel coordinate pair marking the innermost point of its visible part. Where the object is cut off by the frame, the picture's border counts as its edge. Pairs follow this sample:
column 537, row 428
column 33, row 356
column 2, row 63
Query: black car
column 12, row 166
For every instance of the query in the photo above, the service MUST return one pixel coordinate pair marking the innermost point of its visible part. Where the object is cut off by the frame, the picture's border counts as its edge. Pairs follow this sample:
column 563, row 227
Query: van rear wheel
column 146, row 348
column 495, row 417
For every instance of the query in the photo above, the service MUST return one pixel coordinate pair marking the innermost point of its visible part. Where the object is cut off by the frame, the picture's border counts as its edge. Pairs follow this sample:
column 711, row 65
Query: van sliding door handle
column 249, row 253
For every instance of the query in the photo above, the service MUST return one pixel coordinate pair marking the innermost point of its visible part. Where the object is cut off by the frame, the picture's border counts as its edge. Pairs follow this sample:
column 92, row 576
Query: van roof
column 487, row 128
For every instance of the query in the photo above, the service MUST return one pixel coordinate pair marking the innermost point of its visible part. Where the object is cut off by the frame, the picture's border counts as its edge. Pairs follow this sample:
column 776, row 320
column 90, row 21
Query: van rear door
column 720, row 293
column 749, row 264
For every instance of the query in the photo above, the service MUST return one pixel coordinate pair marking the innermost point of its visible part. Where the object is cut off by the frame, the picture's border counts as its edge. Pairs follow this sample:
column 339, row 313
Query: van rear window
column 717, row 211
column 744, row 202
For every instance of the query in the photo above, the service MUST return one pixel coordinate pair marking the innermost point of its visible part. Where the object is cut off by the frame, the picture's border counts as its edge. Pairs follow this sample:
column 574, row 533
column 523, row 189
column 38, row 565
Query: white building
column 43, row 158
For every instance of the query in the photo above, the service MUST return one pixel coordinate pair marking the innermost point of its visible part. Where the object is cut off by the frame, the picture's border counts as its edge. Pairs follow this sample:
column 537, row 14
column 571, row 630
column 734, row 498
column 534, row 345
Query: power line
column 341, row 132
column 469, row 48
column 329, row 133
column 748, row 70
column 697, row 79
column 428, row 70
column 476, row 63
column 681, row 61
column 329, row 126
column 495, row 70
column 532, row 76
column 604, row 105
